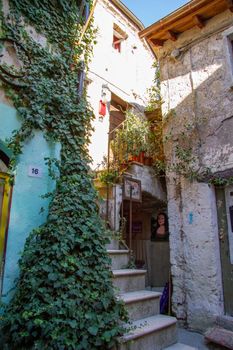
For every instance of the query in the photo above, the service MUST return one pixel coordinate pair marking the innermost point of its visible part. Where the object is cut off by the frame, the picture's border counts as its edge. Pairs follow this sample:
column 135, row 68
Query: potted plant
column 133, row 136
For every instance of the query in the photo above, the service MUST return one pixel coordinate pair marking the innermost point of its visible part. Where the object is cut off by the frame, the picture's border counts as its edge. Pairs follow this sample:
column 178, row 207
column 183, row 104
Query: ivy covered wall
column 27, row 201
column 64, row 298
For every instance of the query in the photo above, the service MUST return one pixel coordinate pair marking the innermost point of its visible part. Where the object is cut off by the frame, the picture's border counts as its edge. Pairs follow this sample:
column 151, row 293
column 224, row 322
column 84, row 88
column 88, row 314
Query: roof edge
column 128, row 13
column 181, row 11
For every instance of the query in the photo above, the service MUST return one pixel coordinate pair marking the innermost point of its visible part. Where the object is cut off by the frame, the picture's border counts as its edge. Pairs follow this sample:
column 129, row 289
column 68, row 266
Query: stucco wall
column 127, row 74
column 27, row 190
column 196, row 84
column 26, row 198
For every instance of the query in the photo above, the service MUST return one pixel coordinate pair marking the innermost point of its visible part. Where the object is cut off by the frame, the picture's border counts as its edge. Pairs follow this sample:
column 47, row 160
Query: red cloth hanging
column 102, row 108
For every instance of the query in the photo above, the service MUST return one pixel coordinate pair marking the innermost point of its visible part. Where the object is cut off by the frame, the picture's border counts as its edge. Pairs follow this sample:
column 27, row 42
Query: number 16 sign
column 34, row 171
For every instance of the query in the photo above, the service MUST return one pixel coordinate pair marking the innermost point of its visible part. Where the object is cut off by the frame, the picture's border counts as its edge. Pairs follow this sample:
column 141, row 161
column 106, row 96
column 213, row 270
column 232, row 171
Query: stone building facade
column 194, row 46
column 118, row 75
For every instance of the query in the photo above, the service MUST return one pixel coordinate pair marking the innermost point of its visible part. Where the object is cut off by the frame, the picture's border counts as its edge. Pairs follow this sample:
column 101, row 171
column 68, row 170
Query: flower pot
column 141, row 157
column 135, row 158
column 123, row 167
column 148, row 161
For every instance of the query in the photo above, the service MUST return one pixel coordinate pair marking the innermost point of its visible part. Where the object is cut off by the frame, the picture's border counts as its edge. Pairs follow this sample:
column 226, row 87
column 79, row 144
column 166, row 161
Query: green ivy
column 64, row 296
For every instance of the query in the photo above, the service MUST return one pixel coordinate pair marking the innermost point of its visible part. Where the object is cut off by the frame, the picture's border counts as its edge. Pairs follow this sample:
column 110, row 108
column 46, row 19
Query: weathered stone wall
column 196, row 79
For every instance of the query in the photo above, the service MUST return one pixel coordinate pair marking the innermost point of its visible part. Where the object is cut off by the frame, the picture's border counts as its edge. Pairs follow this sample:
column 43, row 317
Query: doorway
column 149, row 254
column 5, row 199
column 224, row 198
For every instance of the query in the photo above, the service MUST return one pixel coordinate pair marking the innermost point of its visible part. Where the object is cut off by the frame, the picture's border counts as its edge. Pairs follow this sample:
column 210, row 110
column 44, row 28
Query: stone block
column 220, row 336
column 119, row 258
column 225, row 322
column 127, row 280
column 152, row 333
column 141, row 304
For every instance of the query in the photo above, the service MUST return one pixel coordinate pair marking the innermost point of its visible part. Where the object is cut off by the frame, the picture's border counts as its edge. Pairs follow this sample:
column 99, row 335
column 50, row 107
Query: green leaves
column 93, row 330
column 64, row 297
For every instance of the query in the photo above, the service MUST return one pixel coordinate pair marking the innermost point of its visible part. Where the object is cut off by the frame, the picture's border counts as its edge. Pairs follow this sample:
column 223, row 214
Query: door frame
column 4, row 222
column 226, row 266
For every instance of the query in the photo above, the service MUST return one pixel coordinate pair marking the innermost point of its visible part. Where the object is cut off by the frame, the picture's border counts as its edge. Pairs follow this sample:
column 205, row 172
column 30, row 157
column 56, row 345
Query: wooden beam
column 156, row 42
column 229, row 4
column 171, row 35
column 180, row 19
column 198, row 21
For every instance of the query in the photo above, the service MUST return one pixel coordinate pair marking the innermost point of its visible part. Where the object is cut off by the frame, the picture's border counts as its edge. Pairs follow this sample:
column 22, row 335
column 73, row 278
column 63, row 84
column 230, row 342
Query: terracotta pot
column 141, row 157
column 123, row 166
column 148, row 161
column 135, row 158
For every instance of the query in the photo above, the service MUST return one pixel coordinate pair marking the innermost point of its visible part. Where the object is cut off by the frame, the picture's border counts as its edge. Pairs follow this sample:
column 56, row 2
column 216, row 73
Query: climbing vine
column 185, row 145
column 64, row 298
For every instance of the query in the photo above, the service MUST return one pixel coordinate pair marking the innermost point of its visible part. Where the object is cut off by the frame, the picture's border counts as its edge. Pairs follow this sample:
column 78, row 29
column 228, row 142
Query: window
column 118, row 37
column 228, row 43
column 116, row 43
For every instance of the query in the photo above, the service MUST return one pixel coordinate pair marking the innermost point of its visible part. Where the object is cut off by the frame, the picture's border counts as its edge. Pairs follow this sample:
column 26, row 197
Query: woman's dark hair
column 165, row 223
column 155, row 226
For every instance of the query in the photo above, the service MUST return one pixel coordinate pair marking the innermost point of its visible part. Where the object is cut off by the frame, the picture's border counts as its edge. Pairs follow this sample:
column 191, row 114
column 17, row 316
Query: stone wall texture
column 197, row 85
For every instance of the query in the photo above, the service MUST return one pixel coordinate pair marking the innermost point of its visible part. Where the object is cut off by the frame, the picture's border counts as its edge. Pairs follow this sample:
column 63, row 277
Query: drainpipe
column 87, row 15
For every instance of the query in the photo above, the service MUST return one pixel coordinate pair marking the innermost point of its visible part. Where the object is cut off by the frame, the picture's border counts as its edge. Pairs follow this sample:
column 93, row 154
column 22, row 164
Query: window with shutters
column 228, row 40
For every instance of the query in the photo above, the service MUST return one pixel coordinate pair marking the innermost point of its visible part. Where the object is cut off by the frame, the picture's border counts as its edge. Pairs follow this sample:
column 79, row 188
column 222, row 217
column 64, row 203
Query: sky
column 150, row 11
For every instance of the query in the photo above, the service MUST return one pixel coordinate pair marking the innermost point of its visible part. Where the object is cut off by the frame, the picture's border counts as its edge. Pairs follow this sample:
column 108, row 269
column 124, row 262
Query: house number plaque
column 34, row 171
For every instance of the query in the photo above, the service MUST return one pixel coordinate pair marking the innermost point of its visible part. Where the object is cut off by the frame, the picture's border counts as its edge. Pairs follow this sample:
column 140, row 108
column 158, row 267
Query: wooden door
column 224, row 199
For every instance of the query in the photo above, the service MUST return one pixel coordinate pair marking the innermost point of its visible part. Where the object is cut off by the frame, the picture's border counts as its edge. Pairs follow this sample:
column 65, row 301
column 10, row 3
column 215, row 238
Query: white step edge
column 131, row 297
column 148, row 325
column 180, row 346
column 117, row 251
column 128, row 272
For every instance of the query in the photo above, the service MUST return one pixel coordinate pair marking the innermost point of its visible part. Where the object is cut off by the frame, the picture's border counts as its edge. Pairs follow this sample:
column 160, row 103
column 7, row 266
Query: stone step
column 120, row 258
column 151, row 333
column 180, row 346
column 114, row 244
column 220, row 336
column 129, row 280
column 141, row 304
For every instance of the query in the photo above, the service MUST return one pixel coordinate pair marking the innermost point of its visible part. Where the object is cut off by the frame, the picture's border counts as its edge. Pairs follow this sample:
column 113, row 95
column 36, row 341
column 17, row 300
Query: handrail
column 117, row 127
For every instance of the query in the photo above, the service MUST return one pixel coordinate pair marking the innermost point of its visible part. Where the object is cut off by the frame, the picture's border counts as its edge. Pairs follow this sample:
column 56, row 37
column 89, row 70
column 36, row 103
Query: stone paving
column 192, row 338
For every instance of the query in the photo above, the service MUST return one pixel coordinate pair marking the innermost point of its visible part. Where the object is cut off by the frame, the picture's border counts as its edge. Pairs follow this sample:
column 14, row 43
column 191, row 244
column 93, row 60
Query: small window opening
column 118, row 37
column 117, row 43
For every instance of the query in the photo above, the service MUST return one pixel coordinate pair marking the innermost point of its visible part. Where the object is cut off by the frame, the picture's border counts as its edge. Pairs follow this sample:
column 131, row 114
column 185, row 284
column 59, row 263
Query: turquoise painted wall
column 26, row 198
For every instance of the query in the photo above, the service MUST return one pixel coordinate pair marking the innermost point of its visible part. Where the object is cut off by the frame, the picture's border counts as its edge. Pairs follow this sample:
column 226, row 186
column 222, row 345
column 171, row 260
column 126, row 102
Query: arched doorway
column 5, row 199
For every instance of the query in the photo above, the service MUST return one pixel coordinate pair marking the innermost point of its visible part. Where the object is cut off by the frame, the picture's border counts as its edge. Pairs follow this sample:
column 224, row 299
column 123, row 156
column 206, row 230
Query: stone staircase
column 148, row 330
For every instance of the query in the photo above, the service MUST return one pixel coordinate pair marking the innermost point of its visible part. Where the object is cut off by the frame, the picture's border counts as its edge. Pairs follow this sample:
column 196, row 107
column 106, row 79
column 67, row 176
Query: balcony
column 138, row 139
